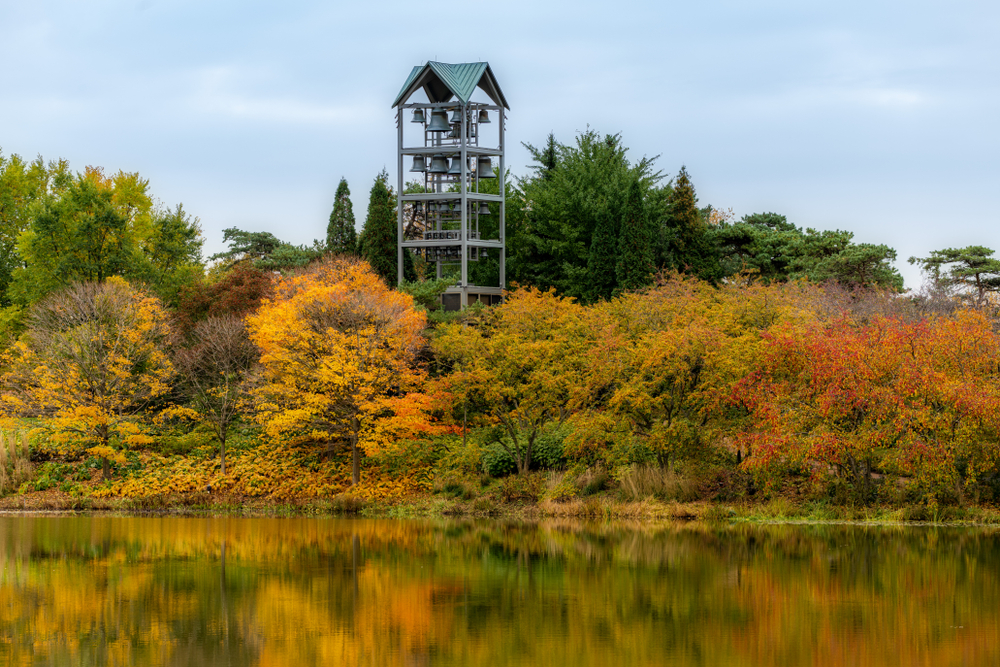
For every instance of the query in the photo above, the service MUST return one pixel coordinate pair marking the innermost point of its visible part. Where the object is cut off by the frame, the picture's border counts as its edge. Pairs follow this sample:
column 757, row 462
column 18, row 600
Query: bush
column 547, row 454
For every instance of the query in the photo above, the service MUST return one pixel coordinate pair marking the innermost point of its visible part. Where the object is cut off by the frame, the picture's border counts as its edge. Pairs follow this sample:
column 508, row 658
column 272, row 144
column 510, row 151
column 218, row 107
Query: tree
column 238, row 291
column 341, row 237
column 971, row 271
column 22, row 186
column 91, row 226
column 336, row 343
column 634, row 267
column 603, row 259
column 773, row 249
column 91, row 360
column 688, row 244
column 213, row 369
column 563, row 206
column 266, row 251
column 520, row 366
column 79, row 236
column 378, row 241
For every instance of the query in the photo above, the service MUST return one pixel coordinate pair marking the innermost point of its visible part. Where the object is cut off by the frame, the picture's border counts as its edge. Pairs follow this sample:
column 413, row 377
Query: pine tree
column 635, row 242
column 341, row 237
column 377, row 244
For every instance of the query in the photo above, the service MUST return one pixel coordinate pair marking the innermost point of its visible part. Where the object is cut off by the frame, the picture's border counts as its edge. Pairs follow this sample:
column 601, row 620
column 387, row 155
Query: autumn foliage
column 336, row 345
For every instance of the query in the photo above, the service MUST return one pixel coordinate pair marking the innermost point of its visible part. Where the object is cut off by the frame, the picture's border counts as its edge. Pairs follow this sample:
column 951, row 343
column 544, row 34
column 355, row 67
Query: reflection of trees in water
column 162, row 591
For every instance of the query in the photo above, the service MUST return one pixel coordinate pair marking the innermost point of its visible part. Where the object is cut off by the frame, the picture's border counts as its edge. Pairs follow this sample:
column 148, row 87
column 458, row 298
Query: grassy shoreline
column 604, row 507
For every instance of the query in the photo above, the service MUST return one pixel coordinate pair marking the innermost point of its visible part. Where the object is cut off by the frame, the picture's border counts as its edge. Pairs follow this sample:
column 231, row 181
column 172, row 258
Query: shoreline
column 606, row 509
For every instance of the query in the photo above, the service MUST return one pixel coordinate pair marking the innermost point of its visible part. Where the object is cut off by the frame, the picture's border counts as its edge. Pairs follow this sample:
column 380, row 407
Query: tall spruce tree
column 341, row 237
column 634, row 268
column 603, row 260
column 378, row 239
column 691, row 247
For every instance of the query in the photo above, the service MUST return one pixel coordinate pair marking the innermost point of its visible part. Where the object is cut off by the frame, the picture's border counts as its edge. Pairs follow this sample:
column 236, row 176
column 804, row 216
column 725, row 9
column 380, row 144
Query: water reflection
column 184, row 591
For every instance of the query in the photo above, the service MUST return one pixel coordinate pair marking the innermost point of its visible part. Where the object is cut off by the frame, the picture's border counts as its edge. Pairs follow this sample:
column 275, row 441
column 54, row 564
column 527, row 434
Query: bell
column 456, row 116
column 484, row 208
column 484, row 168
column 456, row 166
column 439, row 163
column 483, row 117
column 457, row 208
column 454, row 133
column 439, row 121
column 418, row 116
column 418, row 163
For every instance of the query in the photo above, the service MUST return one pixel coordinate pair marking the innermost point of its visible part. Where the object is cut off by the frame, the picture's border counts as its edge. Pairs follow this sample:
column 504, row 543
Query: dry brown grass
column 15, row 464
column 639, row 482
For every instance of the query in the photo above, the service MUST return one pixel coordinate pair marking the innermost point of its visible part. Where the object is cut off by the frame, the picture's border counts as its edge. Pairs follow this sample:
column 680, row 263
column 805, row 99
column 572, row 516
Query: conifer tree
column 603, row 259
column 377, row 244
column 635, row 242
column 341, row 237
column 691, row 249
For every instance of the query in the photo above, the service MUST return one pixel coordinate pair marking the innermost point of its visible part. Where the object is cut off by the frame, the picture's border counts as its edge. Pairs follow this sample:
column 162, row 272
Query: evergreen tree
column 341, row 237
column 634, row 268
column 378, row 241
column 691, row 249
column 603, row 259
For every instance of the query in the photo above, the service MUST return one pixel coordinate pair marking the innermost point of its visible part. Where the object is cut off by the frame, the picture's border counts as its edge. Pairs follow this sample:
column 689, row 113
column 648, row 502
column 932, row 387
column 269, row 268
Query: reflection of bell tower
column 456, row 214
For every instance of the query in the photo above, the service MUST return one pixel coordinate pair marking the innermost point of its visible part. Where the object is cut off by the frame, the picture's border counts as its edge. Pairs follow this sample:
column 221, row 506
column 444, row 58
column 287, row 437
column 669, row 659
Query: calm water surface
column 101, row 590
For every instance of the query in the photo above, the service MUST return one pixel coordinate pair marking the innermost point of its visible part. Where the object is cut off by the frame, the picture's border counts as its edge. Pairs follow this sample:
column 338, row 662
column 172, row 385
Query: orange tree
column 336, row 345
column 521, row 365
column 92, row 358
column 916, row 396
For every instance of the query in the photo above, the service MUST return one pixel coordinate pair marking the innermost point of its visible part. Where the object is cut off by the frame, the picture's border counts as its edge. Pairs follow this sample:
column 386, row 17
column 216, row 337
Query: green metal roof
column 441, row 81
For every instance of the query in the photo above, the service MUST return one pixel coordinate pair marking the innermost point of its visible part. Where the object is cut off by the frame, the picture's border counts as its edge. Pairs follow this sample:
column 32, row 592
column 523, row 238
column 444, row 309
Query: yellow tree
column 90, row 361
column 522, row 364
column 336, row 343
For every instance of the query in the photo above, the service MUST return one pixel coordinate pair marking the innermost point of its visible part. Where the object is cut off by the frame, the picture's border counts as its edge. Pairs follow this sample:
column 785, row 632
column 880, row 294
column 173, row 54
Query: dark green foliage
column 341, row 237
column 634, row 267
column 769, row 246
column 972, row 270
column 427, row 293
column 563, row 203
column 547, row 454
column 378, row 242
column 547, row 158
column 603, row 259
column 688, row 246
column 265, row 251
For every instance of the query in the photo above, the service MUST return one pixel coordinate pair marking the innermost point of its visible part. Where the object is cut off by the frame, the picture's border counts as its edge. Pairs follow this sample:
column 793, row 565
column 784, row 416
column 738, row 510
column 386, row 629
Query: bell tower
column 450, row 215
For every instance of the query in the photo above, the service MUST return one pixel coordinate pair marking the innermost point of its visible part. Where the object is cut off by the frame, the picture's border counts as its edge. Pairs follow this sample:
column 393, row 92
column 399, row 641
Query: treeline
column 648, row 334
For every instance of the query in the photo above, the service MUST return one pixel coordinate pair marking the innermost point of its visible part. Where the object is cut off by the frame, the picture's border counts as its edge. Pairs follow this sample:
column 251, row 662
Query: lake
column 104, row 590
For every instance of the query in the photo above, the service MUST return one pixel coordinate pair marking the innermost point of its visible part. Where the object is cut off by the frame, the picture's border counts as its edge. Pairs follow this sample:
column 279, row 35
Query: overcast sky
column 876, row 117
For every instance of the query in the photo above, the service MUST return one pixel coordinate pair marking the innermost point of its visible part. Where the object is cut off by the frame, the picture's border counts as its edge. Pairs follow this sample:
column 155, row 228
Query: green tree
column 79, row 236
column 972, row 271
column 22, row 186
column 563, row 205
column 378, row 240
column 603, row 259
column 634, row 267
column 266, row 251
column 689, row 247
column 340, row 233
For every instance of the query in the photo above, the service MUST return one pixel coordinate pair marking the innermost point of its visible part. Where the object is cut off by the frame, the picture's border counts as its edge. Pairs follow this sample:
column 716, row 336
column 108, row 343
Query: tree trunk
column 222, row 452
column 355, row 455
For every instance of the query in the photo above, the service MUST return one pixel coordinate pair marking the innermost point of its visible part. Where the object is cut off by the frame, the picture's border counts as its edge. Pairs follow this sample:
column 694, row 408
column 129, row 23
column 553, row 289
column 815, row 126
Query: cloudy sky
column 882, row 118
